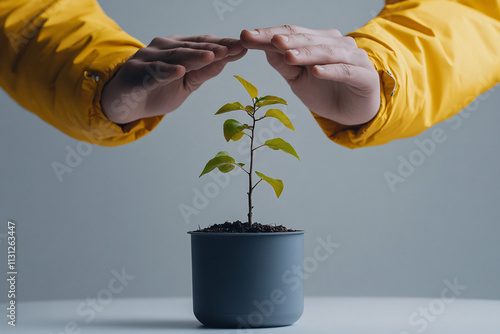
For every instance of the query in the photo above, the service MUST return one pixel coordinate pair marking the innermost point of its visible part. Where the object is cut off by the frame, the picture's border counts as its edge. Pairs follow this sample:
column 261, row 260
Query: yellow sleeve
column 433, row 58
column 56, row 57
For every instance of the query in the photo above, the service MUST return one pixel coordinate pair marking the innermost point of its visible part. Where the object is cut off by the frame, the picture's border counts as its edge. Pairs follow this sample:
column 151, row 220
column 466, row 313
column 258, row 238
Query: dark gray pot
column 243, row 280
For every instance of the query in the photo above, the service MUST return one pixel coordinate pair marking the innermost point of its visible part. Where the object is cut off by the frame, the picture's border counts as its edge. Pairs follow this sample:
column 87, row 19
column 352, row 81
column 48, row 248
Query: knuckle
column 267, row 32
column 172, row 53
column 306, row 37
column 144, row 53
column 307, row 52
column 327, row 50
column 350, row 56
column 350, row 41
column 140, row 53
column 132, row 63
column 225, row 41
column 204, row 37
column 335, row 32
column 291, row 28
column 345, row 70
column 156, row 63
column 362, row 53
column 157, row 41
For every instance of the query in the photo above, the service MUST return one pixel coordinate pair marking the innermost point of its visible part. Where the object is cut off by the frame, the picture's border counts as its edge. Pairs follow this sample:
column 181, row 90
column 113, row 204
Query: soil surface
column 239, row 227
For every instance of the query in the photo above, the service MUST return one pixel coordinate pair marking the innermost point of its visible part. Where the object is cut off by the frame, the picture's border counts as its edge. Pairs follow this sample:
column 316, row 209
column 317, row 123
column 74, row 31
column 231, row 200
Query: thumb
column 195, row 79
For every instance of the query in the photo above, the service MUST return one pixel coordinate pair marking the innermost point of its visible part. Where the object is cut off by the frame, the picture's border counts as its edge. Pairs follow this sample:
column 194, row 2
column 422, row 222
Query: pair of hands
column 328, row 72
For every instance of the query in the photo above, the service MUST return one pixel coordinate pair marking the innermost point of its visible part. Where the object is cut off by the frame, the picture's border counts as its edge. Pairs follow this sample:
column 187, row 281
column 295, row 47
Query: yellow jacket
column 56, row 57
column 434, row 57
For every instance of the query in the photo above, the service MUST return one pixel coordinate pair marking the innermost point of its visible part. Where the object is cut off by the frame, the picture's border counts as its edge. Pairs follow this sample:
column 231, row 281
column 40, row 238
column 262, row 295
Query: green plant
column 234, row 130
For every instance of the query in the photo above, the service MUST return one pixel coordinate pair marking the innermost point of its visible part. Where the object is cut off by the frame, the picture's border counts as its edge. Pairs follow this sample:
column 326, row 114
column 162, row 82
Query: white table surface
column 321, row 315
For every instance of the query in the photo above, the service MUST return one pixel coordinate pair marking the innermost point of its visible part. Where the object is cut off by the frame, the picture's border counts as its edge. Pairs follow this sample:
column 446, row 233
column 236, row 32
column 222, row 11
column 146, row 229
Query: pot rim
column 250, row 234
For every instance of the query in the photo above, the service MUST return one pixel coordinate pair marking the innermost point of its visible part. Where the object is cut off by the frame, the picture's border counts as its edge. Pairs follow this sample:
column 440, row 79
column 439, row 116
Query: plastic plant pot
column 247, row 280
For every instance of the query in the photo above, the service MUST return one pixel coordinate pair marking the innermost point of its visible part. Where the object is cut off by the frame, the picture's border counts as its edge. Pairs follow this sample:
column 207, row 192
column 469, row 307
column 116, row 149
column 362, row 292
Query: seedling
column 234, row 130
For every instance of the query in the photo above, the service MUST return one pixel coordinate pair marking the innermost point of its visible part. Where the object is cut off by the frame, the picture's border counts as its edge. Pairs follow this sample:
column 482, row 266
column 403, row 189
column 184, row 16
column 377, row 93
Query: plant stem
column 258, row 147
column 243, row 169
column 250, row 185
column 255, row 185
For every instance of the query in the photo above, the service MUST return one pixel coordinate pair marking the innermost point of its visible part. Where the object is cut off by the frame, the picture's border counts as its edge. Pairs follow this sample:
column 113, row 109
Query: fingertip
column 249, row 35
column 243, row 35
column 208, row 56
column 235, row 48
column 178, row 71
column 280, row 41
column 232, row 58
column 239, row 55
column 242, row 53
column 245, row 43
column 290, row 56
column 221, row 51
column 319, row 71
column 165, row 73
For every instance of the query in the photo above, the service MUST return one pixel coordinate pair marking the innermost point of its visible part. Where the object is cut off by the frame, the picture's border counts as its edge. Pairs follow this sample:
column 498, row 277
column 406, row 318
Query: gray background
column 120, row 207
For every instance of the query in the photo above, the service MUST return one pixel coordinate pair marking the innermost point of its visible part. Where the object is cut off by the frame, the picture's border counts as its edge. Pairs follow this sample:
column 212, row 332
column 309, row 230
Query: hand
column 158, row 78
column 328, row 72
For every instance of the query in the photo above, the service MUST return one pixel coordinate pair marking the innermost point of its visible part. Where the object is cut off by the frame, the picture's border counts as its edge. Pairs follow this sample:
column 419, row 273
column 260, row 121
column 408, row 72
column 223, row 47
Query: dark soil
column 239, row 227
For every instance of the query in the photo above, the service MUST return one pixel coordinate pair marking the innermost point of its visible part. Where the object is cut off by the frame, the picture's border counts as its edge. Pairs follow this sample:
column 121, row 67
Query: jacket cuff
column 102, row 131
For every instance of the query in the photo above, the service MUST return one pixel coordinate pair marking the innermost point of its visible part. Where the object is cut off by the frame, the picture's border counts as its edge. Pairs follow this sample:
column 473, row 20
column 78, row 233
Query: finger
column 261, row 38
column 167, row 48
column 288, row 72
column 355, row 76
column 136, row 72
column 240, row 55
column 168, row 43
column 265, row 34
column 234, row 46
column 285, row 42
column 195, row 79
column 326, row 54
column 191, row 59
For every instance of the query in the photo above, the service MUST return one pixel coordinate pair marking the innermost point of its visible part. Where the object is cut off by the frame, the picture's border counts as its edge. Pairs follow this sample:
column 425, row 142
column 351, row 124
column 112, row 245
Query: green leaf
column 234, row 129
column 249, row 109
column 280, row 144
column 249, row 87
column 269, row 99
column 238, row 136
column 230, row 107
column 275, row 183
column 280, row 115
column 223, row 161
